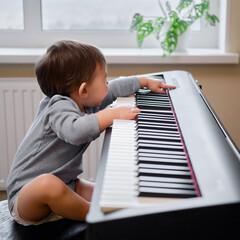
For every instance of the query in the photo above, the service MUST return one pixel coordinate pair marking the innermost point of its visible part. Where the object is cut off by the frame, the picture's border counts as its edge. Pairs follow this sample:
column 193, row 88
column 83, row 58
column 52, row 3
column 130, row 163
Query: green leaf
column 144, row 30
column 170, row 42
column 211, row 19
column 173, row 16
column 178, row 26
column 136, row 21
column 157, row 26
column 201, row 8
column 184, row 4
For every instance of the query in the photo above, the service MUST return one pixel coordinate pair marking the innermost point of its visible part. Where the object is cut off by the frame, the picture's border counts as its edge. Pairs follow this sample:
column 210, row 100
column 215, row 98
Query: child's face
column 98, row 88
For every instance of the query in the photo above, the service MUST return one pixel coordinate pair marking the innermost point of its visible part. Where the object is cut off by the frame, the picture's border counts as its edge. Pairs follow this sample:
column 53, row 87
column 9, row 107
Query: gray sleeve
column 71, row 125
column 120, row 87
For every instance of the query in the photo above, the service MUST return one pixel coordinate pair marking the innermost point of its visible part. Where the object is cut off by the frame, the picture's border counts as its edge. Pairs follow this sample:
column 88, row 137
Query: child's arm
column 105, row 117
column 126, row 86
column 120, row 87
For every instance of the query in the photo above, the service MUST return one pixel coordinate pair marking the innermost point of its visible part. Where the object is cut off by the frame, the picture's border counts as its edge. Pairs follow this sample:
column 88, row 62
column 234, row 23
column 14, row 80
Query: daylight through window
column 11, row 15
column 105, row 23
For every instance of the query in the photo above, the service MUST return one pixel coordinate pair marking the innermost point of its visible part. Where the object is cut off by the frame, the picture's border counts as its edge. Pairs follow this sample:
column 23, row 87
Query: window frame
column 33, row 36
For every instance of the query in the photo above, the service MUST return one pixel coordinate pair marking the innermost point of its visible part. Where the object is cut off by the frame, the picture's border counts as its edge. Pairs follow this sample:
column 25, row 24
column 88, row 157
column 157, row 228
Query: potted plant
column 172, row 24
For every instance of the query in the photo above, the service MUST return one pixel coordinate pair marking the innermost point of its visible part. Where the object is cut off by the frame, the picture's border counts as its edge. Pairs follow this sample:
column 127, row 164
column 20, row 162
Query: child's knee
column 50, row 186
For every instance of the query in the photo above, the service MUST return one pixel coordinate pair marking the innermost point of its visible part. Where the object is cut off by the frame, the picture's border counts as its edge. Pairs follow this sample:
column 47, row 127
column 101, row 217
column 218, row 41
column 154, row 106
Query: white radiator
column 19, row 99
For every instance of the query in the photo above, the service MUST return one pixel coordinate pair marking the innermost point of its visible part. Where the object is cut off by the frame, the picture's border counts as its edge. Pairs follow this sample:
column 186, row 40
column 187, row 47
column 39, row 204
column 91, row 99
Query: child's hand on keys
column 126, row 112
column 154, row 85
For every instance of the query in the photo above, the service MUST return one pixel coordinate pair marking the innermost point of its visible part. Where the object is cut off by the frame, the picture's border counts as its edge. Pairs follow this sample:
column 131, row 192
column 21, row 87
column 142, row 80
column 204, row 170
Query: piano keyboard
column 147, row 159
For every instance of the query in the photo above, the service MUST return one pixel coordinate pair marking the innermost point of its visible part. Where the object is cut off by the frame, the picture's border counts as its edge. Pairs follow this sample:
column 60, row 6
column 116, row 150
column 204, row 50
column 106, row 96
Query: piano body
column 208, row 204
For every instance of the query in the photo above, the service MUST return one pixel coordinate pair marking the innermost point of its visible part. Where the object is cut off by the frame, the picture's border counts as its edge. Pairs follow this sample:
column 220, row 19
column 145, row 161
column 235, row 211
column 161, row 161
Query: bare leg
column 46, row 194
column 84, row 188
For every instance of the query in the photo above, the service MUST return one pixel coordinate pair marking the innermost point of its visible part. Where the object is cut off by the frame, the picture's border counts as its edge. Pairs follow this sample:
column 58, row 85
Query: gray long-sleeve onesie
column 58, row 137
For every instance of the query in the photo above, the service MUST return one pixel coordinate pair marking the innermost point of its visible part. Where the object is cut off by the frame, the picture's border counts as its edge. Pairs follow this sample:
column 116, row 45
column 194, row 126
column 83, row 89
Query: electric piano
column 172, row 172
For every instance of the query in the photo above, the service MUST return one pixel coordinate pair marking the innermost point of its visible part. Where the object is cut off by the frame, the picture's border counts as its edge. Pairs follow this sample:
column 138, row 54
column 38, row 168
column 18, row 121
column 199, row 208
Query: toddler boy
column 43, row 183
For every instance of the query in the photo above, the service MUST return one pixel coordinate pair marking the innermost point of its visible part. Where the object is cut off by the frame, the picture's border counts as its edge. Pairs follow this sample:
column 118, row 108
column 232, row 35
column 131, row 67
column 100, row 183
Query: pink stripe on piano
column 185, row 150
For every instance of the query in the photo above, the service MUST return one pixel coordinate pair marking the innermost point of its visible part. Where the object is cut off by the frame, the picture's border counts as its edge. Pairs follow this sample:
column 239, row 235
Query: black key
column 156, row 119
column 155, row 141
column 146, row 126
column 154, row 111
column 158, row 160
column 150, row 93
column 157, row 154
column 160, row 166
column 150, row 115
column 160, row 147
column 163, row 138
column 159, row 137
column 165, row 192
column 155, row 124
column 143, row 106
column 165, row 185
column 153, row 103
column 152, row 98
column 163, row 173
column 158, row 132
column 156, row 151
column 165, row 179
column 140, row 121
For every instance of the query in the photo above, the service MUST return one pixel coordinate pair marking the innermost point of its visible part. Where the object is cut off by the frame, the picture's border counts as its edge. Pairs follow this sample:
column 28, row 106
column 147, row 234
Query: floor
column 3, row 195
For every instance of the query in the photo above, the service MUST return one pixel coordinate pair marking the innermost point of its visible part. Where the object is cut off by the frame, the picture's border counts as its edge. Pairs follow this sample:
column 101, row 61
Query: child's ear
column 82, row 91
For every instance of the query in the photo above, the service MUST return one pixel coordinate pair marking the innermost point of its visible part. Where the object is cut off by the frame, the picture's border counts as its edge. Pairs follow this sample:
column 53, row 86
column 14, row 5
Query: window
column 11, row 13
column 106, row 23
column 102, row 15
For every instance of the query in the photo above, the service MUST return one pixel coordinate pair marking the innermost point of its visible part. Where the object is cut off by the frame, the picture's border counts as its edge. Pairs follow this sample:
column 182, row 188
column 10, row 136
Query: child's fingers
column 160, row 90
column 135, row 110
column 164, row 86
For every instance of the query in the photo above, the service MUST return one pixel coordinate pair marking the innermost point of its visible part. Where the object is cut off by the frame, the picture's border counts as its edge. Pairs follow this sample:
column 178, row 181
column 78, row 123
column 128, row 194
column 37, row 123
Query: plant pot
column 182, row 40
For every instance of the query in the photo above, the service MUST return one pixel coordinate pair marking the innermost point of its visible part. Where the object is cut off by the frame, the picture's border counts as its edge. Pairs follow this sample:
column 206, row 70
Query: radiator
column 19, row 99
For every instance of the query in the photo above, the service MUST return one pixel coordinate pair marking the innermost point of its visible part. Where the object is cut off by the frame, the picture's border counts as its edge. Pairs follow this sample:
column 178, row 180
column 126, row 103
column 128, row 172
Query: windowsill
column 130, row 56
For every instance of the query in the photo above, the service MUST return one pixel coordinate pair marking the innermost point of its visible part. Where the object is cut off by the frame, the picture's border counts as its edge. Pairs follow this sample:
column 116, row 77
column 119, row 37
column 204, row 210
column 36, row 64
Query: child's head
column 66, row 65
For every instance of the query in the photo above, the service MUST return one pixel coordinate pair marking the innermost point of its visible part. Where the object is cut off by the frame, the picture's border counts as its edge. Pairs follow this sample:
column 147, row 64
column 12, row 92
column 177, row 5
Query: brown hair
column 66, row 65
